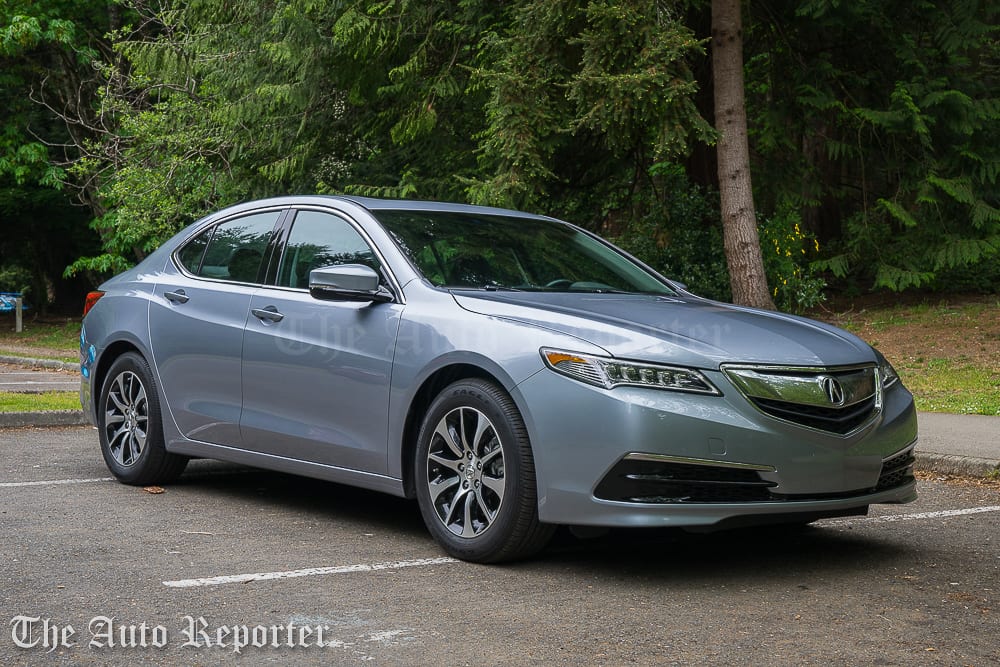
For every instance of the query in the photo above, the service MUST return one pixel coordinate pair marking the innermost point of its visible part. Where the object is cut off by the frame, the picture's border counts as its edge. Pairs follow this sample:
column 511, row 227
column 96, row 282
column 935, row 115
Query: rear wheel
column 130, row 425
column 476, row 476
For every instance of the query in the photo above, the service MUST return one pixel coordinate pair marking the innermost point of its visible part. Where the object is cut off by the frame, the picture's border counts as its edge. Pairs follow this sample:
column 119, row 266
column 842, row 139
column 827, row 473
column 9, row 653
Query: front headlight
column 886, row 372
column 610, row 373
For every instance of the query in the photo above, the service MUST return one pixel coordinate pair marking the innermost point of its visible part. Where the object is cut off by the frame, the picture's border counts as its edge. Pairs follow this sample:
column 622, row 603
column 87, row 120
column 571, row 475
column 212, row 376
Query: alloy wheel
column 465, row 472
column 126, row 418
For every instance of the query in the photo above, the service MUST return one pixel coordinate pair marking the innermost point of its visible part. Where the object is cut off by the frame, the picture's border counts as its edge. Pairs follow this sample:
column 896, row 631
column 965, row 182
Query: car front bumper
column 633, row 456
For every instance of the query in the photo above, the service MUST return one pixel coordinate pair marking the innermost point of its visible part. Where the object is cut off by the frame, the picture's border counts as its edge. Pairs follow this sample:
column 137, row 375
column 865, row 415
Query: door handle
column 177, row 297
column 267, row 314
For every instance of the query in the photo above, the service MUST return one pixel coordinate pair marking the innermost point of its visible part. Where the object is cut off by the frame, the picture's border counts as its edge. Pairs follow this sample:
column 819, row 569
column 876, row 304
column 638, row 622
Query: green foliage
column 14, row 278
column 411, row 117
column 681, row 235
column 584, row 97
column 878, row 122
column 209, row 104
column 172, row 171
column 206, row 105
column 46, row 49
column 42, row 233
column 788, row 251
column 874, row 125
column 47, row 52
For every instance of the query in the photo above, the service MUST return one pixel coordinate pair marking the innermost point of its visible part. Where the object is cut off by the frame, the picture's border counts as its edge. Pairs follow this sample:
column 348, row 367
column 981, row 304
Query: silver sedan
column 509, row 371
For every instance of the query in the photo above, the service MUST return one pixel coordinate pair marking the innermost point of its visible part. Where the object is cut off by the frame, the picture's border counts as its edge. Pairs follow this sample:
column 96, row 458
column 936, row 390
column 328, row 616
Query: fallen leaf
column 155, row 490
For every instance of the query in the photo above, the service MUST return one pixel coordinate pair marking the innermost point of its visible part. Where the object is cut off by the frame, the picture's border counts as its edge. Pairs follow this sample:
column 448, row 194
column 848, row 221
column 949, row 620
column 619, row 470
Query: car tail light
column 92, row 298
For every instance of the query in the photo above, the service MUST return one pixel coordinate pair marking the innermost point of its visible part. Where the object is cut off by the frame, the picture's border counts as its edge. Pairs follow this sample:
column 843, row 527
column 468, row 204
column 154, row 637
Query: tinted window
column 476, row 250
column 232, row 250
column 190, row 255
column 317, row 240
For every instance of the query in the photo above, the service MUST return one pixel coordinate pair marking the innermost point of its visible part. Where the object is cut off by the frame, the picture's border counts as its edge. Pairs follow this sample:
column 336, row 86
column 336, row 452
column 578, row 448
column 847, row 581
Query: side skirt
column 365, row 480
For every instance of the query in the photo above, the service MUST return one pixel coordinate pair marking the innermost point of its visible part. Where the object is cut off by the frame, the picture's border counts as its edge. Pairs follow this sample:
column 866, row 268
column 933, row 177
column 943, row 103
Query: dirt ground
column 965, row 329
column 34, row 351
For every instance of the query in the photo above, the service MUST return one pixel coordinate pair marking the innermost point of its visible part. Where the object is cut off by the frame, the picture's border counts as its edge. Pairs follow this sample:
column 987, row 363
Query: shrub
column 788, row 251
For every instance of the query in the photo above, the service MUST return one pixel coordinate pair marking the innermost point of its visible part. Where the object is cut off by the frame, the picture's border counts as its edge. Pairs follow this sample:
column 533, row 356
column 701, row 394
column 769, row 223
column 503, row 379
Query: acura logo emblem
column 833, row 390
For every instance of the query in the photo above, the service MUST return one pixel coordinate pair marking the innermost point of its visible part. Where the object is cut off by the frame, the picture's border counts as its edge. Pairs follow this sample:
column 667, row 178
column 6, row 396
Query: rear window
column 232, row 250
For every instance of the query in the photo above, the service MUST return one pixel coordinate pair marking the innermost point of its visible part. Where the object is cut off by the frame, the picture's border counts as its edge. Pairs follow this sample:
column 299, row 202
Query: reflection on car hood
column 683, row 330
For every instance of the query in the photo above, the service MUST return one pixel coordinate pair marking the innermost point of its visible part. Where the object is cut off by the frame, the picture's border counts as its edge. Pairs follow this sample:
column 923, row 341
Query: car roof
column 376, row 204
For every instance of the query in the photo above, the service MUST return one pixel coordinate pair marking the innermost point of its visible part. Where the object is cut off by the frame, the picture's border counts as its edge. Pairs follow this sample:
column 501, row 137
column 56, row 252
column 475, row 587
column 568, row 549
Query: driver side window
column 320, row 239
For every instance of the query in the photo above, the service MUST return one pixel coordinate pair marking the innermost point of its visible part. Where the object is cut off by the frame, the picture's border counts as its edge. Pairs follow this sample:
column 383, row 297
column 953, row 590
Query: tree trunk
column 739, row 221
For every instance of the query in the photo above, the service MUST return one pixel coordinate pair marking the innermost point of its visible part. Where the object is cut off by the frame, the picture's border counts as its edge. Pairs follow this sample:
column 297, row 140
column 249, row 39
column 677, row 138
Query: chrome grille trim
column 665, row 458
column 839, row 400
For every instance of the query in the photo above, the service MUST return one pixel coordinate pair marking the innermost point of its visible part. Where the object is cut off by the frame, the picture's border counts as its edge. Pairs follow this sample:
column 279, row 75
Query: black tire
column 130, row 425
column 484, row 506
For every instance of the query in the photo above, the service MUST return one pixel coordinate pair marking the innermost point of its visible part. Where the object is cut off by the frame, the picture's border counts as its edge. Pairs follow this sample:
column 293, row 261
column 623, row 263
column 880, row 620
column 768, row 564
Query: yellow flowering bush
column 788, row 251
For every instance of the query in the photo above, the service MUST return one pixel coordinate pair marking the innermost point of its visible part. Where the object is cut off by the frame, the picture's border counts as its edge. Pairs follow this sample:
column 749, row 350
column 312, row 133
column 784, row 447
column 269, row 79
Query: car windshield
column 483, row 251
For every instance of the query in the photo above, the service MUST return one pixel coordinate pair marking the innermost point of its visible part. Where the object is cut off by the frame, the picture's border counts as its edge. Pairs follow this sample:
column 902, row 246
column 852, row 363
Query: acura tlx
column 510, row 372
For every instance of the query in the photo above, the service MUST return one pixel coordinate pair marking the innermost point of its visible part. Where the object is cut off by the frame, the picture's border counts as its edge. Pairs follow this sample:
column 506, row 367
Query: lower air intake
column 636, row 481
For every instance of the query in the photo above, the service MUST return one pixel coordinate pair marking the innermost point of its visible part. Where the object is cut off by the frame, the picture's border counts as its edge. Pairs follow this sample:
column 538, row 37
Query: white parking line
column 913, row 517
column 40, row 383
column 307, row 572
column 191, row 476
column 55, row 482
column 424, row 562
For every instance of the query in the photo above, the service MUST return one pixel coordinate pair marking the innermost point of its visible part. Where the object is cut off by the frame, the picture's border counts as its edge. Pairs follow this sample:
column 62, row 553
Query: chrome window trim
column 287, row 208
column 397, row 289
column 281, row 209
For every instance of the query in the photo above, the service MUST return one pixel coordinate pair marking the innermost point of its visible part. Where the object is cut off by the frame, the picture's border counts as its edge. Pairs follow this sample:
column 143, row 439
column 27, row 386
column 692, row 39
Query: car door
column 196, row 322
column 316, row 372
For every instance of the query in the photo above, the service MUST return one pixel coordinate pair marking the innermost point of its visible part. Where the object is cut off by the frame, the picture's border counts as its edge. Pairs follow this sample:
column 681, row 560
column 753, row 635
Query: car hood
column 682, row 330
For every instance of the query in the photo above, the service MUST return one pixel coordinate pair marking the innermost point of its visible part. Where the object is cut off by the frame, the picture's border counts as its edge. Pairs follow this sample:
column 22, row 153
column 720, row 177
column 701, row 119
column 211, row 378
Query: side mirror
column 347, row 282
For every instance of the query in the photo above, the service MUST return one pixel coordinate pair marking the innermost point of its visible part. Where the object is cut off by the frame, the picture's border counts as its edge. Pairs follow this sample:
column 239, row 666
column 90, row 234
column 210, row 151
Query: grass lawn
column 947, row 353
column 49, row 400
column 42, row 339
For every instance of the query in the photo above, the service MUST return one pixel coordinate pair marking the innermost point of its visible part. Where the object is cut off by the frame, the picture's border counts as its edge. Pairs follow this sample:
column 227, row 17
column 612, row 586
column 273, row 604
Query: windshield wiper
column 485, row 288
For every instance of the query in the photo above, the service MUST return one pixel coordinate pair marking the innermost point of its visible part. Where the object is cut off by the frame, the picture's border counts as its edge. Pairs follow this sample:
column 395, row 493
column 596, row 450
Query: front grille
column 836, row 420
column 896, row 471
column 636, row 481
column 835, row 400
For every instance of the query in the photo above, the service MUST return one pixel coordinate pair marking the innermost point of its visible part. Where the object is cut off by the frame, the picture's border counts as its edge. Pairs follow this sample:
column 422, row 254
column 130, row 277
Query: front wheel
column 130, row 426
column 476, row 477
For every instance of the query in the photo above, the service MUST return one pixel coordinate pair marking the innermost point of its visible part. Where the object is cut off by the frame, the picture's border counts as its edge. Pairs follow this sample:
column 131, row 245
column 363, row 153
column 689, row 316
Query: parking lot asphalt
column 34, row 379
column 234, row 565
